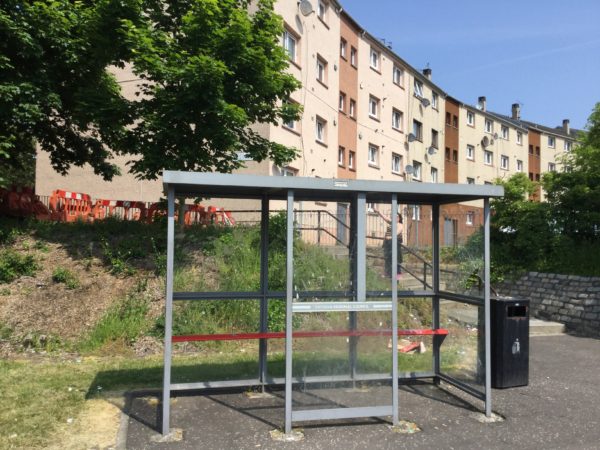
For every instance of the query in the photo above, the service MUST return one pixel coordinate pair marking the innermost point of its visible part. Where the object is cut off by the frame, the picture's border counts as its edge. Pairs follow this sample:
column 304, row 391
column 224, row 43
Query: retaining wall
column 569, row 299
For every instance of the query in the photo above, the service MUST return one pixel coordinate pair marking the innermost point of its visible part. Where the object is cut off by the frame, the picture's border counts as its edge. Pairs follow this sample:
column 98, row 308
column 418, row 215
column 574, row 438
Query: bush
column 65, row 276
column 13, row 265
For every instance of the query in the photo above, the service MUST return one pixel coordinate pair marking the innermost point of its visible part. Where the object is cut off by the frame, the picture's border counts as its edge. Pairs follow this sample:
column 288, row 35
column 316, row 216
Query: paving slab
column 559, row 409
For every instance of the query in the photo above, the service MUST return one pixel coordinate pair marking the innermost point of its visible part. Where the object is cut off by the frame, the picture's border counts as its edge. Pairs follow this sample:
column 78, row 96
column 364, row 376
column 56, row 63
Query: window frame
column 504, row 132
column 471, row 152
column 504, row 162
column 434, row 171
column 418, row 132
column 396, row 157
column 342, row 102
column 400, row 114
column 520, row 166
column 519, row 138
column 323, row 122
column 353, row 56
column 418, row 88
column 341, row 156
column 435, row 99
column 489, row 129
column 487, row 153
column 553, row 140
column 377, row 66
column 322, row 62
column 470, row 216
column 291, row 34
column 343, row 48
column 352, row 108
column 471, row 114
column 351, row 160
column 374, row 101
column 400, row 81
column 373, row 150
column 417, row 167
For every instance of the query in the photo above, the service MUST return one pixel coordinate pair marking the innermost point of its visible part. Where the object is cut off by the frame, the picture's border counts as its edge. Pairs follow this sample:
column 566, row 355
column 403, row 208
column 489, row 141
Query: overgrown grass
column 66, row 277
column 14, row 264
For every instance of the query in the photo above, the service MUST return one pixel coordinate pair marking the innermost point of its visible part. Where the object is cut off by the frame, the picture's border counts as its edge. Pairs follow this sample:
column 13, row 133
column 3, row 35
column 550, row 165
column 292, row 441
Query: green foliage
column 65, row 276
column 13, row 265
column 123, row 323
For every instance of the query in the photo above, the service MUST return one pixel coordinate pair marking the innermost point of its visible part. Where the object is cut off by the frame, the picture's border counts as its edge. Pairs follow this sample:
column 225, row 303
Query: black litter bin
column 510, row 342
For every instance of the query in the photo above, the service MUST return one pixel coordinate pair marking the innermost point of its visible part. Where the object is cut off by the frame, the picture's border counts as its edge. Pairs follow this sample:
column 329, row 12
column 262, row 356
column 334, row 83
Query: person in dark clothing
column 387, row 244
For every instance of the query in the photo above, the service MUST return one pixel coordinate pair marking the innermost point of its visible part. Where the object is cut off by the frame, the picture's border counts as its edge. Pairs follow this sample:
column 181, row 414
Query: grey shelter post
column 353, row 300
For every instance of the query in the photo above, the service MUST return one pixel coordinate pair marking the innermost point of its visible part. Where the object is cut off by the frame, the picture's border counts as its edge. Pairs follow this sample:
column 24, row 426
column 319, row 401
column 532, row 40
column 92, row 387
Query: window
column 290, row 44
column 470, row 118
column 448, row 118
column 418, row 130
column 341, row 156
column 343, row 45
column 504, row 162
column 519, row 138
column 373, row 156
column 322, row 8
column 551, row 167
column 375, row 55
column 434, row 138
column 470, row 180
column 342, row 102
column 471, row 152
column 434, row 175
column 519, row 165
column 416, row 212
column 447, row 154
column 287, row 172
column 353, row 56
column 352, row 108
column 321, row 130
column 351, row 158
column 488, row 157
column 551, row 142
column 398, row 76
column 291, row 124
column 455, row 121
column 488, row 183
column 418, row 88
column 470, row 217
column 489, row 126
column 417, row 172
column 321, row 70
column 504, row 132
column 455, row 156
column 568, row 146
column 373, row 107
column 537, row 151
column 531, row 149
column 435, row 100
column 396, row 163
column 397, row 119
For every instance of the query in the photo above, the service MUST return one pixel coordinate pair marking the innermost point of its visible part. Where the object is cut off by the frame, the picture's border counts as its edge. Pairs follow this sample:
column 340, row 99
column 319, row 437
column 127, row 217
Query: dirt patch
column 96, row 427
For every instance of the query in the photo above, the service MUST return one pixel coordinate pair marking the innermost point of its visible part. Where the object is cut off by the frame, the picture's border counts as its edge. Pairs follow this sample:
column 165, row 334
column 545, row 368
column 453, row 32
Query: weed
column 65, row 276
column 13, row 265
column 123, row 322
column 118, row 261
column 42, row 247
column 5, row 332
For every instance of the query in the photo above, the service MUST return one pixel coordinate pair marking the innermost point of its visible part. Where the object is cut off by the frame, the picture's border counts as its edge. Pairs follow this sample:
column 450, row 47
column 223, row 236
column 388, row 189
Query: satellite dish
column 409, row 169
column 432, row 150
column 495, row 135
column 425, row 102
column 305, row 7
column 485, row 141
column 411, row 137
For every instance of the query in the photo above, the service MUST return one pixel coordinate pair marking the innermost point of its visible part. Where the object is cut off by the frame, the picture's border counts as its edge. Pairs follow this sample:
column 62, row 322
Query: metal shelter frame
column 356, row 193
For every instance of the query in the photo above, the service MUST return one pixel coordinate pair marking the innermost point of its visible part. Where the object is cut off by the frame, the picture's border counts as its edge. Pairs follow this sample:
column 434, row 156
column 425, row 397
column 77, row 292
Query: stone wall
column 569, row 299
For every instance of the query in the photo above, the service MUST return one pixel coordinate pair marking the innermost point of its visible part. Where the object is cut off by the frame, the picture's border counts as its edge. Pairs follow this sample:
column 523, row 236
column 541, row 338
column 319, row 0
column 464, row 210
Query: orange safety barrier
column 68, row 206
column 131, row 210
column 22, row 202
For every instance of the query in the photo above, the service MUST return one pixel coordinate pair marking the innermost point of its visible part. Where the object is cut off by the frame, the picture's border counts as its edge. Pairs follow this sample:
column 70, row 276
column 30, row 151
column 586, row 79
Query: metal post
column 394, row 310
column 361, row 247
column 435, row 230
column 166, row 397
column 288, row 310
column 319, row 227
column 354, row 275
column 486, row 287
column 264, row 289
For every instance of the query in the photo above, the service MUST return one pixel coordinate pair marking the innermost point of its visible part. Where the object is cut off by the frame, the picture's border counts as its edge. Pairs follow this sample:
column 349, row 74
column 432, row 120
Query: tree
column 209, row 71
column 574, row 194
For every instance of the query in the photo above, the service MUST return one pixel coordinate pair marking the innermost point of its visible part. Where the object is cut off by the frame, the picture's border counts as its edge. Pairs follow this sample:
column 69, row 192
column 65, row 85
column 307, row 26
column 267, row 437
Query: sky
column 543, row 54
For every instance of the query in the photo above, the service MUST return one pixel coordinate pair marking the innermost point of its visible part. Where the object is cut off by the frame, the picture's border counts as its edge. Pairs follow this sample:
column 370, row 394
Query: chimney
column 427, row 73
column 566, row 126
column 481, row 103
column 516, row 111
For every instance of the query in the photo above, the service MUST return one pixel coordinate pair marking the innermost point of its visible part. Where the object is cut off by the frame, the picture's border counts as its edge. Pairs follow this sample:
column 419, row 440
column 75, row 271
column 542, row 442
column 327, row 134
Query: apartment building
column 367, row 114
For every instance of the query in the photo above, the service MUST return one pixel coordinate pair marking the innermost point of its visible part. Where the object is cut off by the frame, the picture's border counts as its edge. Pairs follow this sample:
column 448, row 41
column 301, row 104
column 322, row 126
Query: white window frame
column 374, row 59
column 470, row 217
column 352, row 108
column 416, row 213
column 418, row 130
column 397, row 119
column 292, row 125
column 351, row 156
column 396, row 163
column 551, row 141
column 288, row 172
column 567, row 146
column 322, row 9
column 504, row 131
column 398, row 76
column 470, row 152
column 471, row 118
column 519, row 138
column 353, row 56
column 321, row 70
column 435, row 100
column 342, row 102
column 504, row 162
column 373, row 155
column 470, row 180
column 320, row 130
column 292, row 53
column 343, row 47
column 373, row 107
column 418, row 87
column 417, row 170
column 519, row 165
column 488, row 158
column 434, row 175
column 435, row 138
column 489, row 126
column 551, row 167
column 341, row 156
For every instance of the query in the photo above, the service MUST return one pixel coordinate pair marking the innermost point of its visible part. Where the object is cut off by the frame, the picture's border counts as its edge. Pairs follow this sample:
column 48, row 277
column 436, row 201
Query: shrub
column 13, row 265
column 65, row 276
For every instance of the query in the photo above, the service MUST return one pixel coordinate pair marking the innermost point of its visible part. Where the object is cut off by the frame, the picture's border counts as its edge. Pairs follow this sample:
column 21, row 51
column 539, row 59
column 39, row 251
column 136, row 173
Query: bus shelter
column 364, row 307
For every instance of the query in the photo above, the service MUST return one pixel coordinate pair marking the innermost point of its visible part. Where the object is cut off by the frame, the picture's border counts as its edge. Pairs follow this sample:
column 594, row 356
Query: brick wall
column 569, row 299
